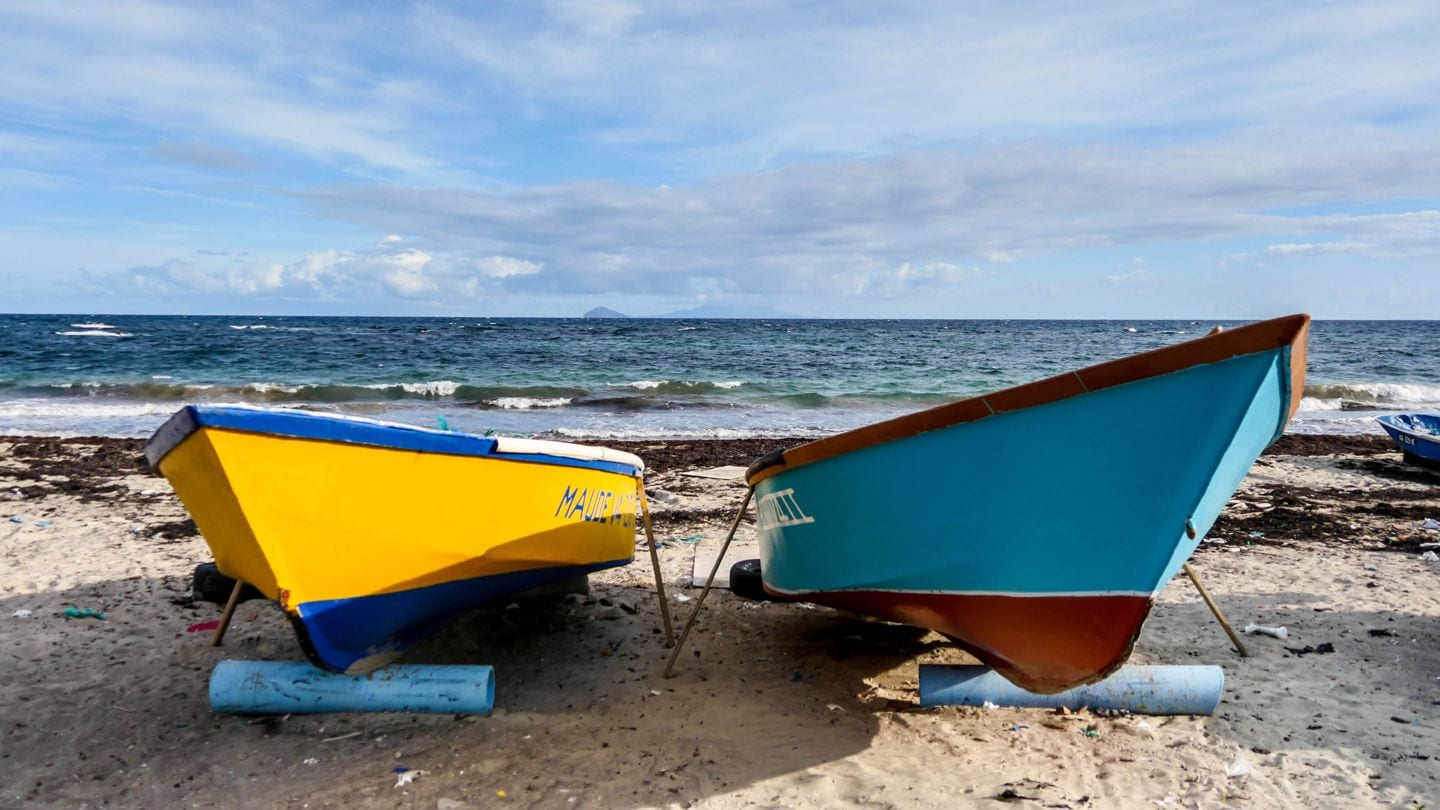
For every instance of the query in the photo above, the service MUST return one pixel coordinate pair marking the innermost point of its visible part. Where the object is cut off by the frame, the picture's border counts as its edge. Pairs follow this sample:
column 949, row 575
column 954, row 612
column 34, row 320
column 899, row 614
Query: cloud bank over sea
column 911, row 160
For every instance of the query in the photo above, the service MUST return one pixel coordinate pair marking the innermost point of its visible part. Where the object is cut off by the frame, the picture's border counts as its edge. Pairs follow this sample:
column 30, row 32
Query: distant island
column 605, row 312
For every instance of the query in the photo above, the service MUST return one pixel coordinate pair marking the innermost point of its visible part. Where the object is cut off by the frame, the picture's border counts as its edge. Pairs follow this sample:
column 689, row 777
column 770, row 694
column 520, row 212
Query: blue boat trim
column 349, row 430
column 337, row 633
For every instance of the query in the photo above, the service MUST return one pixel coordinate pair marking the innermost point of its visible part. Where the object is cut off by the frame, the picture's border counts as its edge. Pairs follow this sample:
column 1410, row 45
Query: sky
column 1147, row 159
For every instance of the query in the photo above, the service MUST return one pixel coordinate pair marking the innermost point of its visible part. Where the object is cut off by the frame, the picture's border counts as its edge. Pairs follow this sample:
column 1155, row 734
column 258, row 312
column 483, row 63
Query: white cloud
column 328, row 276
column 1138, row 277
column 256, row 279
column 317, row 271
column 231, row 73
column 1399, row 236
column 595, row 17
column 166, row 279
column 997, row 256
column 768, row 82
column 754, row 85
column 507, row 267
column 404, row 274
column 1290, row 251
column 645, row 148
column 908, row 279
column 831, row 226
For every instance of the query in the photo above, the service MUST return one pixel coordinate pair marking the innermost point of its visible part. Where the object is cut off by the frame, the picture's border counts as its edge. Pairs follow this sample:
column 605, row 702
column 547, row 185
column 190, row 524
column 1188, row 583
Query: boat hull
column 1417, row 434
column 1035, row 536
column 370, row 535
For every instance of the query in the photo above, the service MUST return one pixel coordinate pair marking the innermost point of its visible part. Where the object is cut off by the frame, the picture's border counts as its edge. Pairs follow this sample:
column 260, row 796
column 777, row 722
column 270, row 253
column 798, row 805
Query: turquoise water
column 120, row 375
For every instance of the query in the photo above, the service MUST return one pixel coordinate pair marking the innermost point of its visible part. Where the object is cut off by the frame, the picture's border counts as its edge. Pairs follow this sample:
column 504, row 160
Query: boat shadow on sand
column 581, row 707
column 760, row 691
column 778, row 694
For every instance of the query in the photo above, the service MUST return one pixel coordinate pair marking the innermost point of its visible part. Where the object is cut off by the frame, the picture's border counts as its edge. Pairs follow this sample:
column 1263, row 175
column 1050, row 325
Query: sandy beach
column 772, row 705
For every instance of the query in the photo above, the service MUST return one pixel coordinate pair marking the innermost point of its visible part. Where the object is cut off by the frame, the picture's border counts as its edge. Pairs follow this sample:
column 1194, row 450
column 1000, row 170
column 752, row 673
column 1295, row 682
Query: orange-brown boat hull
column 1045, row 644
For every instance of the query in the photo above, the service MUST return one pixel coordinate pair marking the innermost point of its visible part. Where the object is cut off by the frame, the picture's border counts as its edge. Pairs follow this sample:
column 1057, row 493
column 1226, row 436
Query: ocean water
column 122, row 375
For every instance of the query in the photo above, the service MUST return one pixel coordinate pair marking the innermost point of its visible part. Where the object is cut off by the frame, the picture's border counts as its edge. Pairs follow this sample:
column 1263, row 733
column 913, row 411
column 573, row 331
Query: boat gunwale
column 1385, row 420
column 192, row 418
column 1269, row 335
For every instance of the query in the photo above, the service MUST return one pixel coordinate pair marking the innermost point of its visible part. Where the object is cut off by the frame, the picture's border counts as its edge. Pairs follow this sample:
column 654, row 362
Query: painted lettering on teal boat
column 779, row 509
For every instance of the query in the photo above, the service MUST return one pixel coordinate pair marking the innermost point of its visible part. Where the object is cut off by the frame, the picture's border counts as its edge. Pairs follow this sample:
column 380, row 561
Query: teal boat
column 1034, row 525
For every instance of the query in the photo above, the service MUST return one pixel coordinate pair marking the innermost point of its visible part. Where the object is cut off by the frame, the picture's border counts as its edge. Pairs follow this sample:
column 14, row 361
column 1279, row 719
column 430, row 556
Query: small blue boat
column 1035, row 525
column 1418, row 435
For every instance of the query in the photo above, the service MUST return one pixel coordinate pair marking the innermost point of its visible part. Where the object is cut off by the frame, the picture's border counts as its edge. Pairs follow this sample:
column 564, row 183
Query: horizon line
column 1246, row 319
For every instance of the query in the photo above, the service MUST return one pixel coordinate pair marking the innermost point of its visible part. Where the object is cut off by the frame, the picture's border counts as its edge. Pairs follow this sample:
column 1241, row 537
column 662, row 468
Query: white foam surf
column 527, row 403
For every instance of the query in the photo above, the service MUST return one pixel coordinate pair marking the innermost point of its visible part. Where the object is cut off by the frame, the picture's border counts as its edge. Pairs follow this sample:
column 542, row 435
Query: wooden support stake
column 655, row 564
column 228, row 614
column 1214, row 608
column 684, row 632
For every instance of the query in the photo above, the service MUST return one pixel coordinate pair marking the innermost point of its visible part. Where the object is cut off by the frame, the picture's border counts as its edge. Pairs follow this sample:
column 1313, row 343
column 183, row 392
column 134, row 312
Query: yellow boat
column 371, row 534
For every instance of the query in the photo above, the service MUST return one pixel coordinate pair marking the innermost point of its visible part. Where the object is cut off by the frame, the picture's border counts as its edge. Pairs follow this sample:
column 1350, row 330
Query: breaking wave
column 684, row 386
column 526, row 403
column 1369, row 397
column 94, row 333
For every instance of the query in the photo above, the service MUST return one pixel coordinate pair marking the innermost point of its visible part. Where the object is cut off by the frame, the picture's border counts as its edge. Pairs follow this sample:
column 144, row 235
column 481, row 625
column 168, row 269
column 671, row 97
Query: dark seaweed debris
column 83, row 467
column 1299, row 444
column 175, row 530
column 679, row 454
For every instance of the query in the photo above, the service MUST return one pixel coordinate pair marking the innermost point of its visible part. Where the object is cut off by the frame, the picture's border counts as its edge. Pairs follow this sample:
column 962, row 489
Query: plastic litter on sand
column 1240, row 767
column 1262, row 630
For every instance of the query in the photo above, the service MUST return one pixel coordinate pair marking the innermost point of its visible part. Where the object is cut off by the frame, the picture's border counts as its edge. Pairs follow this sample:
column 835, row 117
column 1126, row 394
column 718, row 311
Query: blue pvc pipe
column 290, row 687
column 1137, row 689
